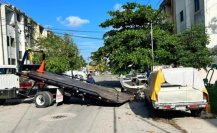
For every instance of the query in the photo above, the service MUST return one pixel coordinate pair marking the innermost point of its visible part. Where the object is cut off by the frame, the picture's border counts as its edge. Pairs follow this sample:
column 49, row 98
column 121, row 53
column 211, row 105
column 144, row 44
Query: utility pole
column 152, row 47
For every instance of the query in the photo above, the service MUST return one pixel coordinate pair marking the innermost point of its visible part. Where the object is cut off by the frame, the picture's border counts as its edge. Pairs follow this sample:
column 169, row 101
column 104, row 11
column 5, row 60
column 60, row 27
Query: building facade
column 186, row 13
column 18, row 32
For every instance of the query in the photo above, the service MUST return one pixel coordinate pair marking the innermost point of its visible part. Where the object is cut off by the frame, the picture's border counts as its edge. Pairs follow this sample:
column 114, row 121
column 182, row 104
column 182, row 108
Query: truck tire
column 50, row 97
column 42, row 100
column 196, row 113
column 2, row 101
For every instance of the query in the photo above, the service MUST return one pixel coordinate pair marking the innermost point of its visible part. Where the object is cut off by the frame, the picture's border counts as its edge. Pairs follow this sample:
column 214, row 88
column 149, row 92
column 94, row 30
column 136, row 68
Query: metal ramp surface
column 102, row 93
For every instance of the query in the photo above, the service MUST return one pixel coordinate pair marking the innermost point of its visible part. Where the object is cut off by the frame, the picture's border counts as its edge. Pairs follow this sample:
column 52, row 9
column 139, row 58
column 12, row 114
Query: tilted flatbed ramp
column 102, row 93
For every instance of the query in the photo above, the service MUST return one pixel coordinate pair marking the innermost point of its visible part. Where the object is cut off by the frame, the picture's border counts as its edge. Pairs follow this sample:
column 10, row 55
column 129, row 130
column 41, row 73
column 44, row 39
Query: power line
column 4, row 2
column 80, row 36
column 56, row 29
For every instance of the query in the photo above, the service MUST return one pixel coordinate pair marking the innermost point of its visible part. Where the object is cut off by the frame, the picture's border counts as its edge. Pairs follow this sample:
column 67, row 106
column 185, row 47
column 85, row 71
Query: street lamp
column 152, row 44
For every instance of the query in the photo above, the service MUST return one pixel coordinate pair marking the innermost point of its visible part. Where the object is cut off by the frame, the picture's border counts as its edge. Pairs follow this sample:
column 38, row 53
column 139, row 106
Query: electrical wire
column 89, row 31
column 80, row 36
column 4, row 2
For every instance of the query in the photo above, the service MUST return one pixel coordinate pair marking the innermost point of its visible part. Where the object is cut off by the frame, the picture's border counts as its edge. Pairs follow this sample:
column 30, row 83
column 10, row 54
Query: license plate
column 181, row 108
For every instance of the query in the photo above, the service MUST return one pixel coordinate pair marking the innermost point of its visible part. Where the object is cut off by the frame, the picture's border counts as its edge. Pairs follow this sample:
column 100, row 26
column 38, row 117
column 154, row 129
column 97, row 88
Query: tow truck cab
column 9, row 82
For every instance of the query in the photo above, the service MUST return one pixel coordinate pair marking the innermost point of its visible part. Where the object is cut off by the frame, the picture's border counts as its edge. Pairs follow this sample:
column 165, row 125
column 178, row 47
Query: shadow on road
column 146, row 111
column 89, row 102
column 11, row 102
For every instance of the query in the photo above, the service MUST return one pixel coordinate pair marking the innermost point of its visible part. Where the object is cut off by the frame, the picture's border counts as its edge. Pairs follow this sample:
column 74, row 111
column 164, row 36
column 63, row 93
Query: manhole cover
column 58, row 116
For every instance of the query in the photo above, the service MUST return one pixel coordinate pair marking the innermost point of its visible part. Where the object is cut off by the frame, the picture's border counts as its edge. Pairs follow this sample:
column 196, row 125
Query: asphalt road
column 79, row 116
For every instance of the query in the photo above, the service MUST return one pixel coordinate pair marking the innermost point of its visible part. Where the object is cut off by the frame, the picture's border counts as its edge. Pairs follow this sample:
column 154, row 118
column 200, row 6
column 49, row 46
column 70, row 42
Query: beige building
column 18, row 32
column 186, row 13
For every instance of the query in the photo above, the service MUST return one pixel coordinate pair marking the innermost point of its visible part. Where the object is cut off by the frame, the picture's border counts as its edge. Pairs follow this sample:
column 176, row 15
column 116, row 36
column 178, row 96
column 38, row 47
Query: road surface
column 79, row 116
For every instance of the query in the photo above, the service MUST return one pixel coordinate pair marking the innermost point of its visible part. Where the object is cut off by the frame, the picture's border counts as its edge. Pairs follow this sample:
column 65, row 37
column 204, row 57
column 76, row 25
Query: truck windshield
column 7, row 71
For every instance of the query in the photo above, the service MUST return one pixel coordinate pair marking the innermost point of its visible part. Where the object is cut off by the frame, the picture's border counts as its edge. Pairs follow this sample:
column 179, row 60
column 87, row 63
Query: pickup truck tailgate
column 179, row 94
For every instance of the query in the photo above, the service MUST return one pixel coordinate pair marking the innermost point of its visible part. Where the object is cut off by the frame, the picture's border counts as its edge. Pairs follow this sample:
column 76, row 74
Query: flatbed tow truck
column 65, row 87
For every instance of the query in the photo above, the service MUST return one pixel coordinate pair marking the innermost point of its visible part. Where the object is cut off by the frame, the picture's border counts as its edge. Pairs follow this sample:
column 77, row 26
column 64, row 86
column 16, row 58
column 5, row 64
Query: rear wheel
column 196, row 113
column 123, row 90
column 42, row 99
column 50, row 97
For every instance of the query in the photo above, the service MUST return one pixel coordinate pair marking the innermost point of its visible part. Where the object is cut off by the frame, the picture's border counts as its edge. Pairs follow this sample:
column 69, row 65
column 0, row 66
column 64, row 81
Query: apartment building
column 18, row 32
column 186, row 13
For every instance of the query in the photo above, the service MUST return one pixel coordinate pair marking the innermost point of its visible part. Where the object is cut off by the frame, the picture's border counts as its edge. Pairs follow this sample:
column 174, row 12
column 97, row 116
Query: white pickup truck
column 177, row 89
column 9, row 82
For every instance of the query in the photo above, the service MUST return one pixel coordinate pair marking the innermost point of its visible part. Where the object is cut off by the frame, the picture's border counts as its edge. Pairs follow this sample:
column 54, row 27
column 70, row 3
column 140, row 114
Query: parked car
column 177, row 89
column 76, row 74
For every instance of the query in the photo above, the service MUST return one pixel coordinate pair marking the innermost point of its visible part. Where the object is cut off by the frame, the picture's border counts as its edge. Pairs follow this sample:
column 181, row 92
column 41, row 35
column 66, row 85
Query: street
column 79, row 116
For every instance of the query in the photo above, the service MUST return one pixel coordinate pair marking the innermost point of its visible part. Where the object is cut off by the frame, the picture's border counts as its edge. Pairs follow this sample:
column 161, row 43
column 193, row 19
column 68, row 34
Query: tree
column 61, row 53
column 192, row 50
column 127, row 45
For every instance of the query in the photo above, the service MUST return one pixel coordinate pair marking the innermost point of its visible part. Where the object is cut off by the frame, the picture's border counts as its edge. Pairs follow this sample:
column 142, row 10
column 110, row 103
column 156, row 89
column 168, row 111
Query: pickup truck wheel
column 123, row 90
column 42, row 100
column 146, row 101
column 196, row 113
column 2, row 101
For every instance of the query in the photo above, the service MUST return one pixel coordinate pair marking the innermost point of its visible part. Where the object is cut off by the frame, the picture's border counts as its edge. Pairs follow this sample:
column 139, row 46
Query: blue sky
column 77, row 15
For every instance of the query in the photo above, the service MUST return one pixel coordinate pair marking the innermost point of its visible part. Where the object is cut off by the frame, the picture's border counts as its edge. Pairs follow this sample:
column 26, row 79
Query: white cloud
column 72, row 21
column 118, row 7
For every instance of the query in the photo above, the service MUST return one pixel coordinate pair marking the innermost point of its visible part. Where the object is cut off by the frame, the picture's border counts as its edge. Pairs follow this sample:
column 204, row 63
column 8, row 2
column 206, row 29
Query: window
column 25, row 20
column 18, row 17
column 20, row 54
column 196, row 5
column 9, row 61
column 12, row 42
column 41, row 29
column 8, row 42
column 2, row 71
column 13, row 62
column 7, row 71
column 181, row 16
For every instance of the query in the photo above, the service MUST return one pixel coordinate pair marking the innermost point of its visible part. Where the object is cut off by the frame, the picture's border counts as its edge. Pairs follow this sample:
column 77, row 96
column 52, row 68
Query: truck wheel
column 50, row 97
column 196, row 113
column 2, row 101
column 42, row 100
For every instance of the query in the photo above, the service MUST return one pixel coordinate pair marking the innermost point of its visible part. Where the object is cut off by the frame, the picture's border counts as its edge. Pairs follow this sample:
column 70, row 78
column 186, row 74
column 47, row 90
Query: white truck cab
column 9, row 82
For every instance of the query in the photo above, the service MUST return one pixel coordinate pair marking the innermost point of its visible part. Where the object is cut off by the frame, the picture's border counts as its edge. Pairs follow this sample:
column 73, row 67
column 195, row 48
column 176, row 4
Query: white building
column 17, row 33
column 186, row 13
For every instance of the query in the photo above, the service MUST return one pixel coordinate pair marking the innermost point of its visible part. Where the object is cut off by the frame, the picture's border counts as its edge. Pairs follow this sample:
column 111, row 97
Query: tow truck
column 63, row 87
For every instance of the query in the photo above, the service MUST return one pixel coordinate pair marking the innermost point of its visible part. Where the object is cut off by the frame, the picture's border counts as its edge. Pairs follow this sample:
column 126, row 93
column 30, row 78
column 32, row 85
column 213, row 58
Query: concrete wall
column 3, row 37
column 211, row 21
column 206, row 15
column 14, row 34
column 190, row 16
column 180, row 6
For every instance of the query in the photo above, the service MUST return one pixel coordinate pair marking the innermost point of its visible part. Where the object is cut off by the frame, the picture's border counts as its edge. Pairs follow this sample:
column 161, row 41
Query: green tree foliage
column 61, row 53
column 192, row 50
column 128, row 43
